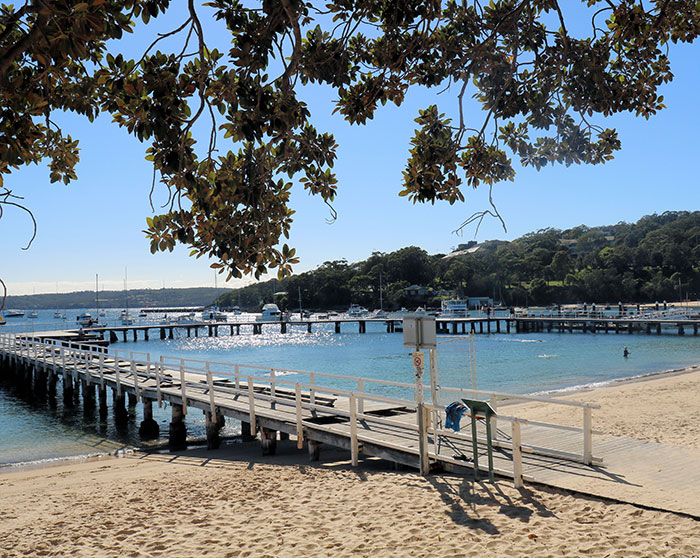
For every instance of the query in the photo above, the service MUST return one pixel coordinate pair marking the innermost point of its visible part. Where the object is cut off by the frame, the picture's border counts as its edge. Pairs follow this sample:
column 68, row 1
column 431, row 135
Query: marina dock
column 274, row 404
column 590, row 324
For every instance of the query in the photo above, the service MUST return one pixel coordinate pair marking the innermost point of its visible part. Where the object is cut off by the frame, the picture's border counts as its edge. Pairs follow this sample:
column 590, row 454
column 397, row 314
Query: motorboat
column 14, row 314
column 454, row 308
column 184, row 319
column 236, row 311
column 270, row 313
column 85, row 320
column 59, row 315
column 357, row 311
column 33, row 315
column 213, row 315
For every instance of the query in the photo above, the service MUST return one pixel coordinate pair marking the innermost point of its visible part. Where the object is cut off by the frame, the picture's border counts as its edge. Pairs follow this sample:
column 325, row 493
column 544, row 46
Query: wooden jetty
column 273, row 403
column 590, row 323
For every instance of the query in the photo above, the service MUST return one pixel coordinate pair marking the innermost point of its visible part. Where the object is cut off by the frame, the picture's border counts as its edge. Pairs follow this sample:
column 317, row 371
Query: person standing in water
column 625, row 353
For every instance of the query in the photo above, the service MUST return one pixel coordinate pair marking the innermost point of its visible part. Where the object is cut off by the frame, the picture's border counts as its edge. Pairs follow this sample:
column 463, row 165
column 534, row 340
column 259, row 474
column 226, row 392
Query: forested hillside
column 655, row 259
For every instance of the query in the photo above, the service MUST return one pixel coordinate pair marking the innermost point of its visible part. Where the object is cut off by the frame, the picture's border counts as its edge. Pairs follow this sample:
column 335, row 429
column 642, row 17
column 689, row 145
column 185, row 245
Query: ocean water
column 522, row 363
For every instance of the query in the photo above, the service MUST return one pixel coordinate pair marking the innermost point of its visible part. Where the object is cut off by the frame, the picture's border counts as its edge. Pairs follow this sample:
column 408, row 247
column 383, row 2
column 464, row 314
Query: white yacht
column 357, row 311
column 270, row 313
column 454, row 308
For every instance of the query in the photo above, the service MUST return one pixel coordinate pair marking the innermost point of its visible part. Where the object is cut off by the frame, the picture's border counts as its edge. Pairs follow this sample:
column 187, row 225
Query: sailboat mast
column 301, row 315
column 97, row 297
column 381, row 302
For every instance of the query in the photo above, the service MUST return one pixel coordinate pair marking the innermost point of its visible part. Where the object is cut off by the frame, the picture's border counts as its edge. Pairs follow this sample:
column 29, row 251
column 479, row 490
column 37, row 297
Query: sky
column 93, row 226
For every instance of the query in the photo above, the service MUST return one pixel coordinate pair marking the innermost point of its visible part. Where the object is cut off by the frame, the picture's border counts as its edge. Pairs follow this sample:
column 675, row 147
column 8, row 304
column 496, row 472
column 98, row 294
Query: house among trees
column 417, row 291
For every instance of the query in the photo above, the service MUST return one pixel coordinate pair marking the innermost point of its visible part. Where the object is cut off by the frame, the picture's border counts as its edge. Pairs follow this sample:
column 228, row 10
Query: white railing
column 133, row 370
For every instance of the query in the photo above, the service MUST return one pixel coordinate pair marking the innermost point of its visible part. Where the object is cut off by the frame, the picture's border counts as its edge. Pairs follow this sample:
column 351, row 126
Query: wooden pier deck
column 269, row 403
column 591, row 323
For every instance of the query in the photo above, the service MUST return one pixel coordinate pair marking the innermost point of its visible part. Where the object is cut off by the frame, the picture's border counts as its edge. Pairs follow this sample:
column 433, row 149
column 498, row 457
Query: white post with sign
column 419, row 332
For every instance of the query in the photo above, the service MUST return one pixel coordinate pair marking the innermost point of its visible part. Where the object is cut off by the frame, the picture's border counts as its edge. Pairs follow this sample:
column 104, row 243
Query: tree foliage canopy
column 540, row 87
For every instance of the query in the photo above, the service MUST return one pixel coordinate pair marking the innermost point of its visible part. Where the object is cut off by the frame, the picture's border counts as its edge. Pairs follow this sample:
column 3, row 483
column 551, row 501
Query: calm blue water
column 523, row 363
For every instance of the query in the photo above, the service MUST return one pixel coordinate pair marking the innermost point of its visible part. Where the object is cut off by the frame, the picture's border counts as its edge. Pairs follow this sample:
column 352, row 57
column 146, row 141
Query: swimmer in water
column 625, row 353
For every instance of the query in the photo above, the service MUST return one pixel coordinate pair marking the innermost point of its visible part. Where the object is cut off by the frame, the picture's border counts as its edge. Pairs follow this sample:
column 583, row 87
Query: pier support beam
column 88, row 395
column 102, row 396
column 113, row 337
column 337, row 327
column 214, row 423
column 268, row 441
column 121, row 418
column 177, row 434
column 246, row 436
column 314, row 450
column 132, row 400
column 68, row 393
column 148, row 429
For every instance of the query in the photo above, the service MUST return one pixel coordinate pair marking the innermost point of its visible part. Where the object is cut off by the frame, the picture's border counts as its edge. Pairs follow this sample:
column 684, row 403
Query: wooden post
column 182, row 387
column 119, row 409
column 587, row 436
column 213, row 427
column 354, row 446
column 246, row 432
column 361, row 399
column 517, row 456
column 102, row 396
column 177, row 434
column 210, row 383
column 268, row 441
column 423, row 420
column 300, row 426
column 88, row 395
column 132, row 400
column 251, row 406
column 314, row 449
column 149, row 427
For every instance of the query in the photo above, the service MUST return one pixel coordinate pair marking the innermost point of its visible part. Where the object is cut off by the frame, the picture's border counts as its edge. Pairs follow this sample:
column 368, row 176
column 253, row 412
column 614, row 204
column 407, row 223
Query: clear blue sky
column 93, row 226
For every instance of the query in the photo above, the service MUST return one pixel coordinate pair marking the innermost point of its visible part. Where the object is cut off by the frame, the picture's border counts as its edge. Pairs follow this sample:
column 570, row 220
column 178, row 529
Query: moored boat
column 270, row 313
column 14, row 314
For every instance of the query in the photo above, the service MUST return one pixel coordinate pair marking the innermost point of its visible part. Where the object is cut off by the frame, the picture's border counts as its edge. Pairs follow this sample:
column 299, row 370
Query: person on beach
column 625, row 353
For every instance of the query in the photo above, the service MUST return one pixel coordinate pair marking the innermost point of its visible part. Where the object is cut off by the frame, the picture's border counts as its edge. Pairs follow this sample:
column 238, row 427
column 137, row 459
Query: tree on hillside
column 539, row 85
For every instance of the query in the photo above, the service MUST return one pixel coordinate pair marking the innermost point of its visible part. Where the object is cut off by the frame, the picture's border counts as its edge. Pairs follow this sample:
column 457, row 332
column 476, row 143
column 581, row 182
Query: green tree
column 539, row 83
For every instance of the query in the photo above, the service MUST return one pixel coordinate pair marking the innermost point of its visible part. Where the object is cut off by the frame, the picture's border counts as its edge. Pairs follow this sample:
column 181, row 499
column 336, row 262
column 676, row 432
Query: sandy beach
column 233, row 502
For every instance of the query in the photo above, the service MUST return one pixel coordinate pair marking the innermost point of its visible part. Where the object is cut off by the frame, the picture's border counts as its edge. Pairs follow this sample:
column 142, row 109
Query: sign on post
column 419, row 332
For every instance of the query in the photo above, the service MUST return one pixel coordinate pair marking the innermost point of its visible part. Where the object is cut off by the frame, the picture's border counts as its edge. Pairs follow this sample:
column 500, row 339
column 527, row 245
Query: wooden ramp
column 632, row 471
